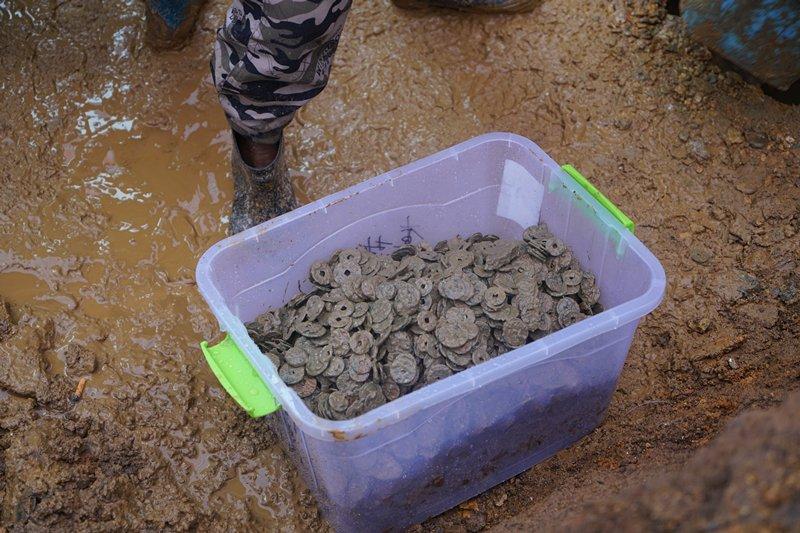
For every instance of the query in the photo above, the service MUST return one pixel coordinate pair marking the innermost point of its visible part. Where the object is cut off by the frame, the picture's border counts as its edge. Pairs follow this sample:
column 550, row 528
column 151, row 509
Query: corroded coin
column 424, row 285
column 436, row 372
column 295, row 356
column 554, row 246
column 406, row 299
column 343, row 307
column 456, row 287
column 386, row 290
column 391, row 390
column 380, row 310
column 314, row 307
column 424, row 344
column 291, row 374
column 404, row 370
column 515, row 332
column 360, row 364
column 321, row 273
column 335, row 367
column 310, row 329
column 460, row 315
column 340, row 321
column 318, row 361
column 361, row 342
column 339, row 341
column 346, row 270
column 306, row 387
column 338, row 401
column 427, row 320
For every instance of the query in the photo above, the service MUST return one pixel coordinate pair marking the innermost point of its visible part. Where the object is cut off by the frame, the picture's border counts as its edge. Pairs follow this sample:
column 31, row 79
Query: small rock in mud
column 698, row 150
column 733, row 136
column 79, row 360
column 701, row 325
column 701, row 255
column 756, row 139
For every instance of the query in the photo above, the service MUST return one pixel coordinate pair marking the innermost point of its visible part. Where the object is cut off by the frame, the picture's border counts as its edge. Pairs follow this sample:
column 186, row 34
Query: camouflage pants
column 271, row 57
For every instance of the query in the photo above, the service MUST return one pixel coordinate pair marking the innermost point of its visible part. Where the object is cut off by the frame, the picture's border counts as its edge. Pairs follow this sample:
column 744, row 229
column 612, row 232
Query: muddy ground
column 113, row 163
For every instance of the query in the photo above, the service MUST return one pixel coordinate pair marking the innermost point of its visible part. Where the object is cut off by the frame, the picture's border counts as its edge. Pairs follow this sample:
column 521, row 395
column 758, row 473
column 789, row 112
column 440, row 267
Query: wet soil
column 114, row 179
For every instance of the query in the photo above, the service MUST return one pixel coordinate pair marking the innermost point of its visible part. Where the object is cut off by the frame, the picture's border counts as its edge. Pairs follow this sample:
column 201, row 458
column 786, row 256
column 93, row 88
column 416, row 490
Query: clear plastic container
column 426, row 452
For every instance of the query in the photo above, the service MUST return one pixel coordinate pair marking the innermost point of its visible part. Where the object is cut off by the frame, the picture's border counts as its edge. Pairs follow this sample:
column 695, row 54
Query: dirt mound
column 747, row 479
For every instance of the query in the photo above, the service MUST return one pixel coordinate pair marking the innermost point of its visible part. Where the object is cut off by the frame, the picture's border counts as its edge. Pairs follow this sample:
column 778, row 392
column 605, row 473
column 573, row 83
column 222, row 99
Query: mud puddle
column 113, row 163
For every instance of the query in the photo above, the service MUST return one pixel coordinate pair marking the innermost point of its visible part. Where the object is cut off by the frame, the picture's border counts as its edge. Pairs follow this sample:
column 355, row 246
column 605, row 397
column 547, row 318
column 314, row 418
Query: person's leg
column 271, row 57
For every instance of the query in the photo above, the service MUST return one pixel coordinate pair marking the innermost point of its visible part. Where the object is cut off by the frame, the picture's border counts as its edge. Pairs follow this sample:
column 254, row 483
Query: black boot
column 259, row 193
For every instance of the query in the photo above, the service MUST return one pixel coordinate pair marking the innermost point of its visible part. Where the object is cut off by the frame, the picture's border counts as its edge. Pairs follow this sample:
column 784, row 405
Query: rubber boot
column 170, row 22
column 259, row 193
column 480, row 6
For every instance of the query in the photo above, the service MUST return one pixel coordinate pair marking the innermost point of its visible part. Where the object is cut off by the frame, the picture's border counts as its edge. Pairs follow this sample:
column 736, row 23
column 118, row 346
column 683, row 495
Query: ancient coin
column 310, row 329
column 456, row 287
column 350, row 255
column 380, row 310
column 296, row 356
column 426, row 320
column 291, row 374
column 340, row 321
column 554, row 246
column 338, row 401
column 318, row 361
column 460, row 315
column 515, row 332
column 424, row 285
column 361, row 342
column 339, row 341
column 360, row 364
column 321, row 273
column 306, row 387
column 572, row 277
column 335, row 367
column 343, row 307
column 391, row 390
column 436, row 372
column 314, row 306
column 406, row 298
column 424, row 344
column 495, row 297
column 345, row 270
column 404, row 370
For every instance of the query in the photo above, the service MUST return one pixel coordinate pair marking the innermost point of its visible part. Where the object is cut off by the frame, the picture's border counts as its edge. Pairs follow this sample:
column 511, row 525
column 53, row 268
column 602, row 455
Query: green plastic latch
column 239, row 378
column 600, row 197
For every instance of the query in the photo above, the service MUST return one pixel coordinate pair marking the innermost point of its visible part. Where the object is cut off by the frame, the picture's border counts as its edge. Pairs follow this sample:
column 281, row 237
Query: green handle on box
column 237, row 375
column 600, row 197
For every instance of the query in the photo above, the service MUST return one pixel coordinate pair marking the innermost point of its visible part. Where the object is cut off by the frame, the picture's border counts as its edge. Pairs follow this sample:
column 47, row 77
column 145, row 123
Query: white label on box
column 521, row 195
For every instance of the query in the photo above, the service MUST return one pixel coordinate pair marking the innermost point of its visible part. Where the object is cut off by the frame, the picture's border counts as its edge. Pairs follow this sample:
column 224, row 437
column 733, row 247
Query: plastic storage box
column 434, row 448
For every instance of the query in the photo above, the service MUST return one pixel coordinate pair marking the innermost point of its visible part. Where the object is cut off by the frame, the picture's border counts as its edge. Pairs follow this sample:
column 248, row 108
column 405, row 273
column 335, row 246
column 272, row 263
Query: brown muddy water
column 114, row 180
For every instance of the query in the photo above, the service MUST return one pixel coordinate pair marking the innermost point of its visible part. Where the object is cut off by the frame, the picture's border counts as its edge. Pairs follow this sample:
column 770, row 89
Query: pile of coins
column 376, row 327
